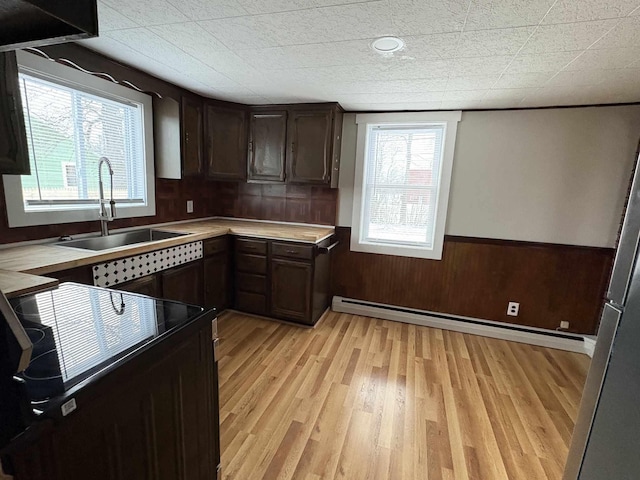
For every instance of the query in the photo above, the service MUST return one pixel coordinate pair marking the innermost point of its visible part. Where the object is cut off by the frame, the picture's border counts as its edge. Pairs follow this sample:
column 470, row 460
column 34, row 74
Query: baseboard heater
column 486, row 328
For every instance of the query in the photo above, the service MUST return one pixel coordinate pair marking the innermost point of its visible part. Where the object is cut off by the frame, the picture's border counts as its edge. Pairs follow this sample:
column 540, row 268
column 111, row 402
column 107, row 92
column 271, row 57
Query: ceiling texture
column 459, row 54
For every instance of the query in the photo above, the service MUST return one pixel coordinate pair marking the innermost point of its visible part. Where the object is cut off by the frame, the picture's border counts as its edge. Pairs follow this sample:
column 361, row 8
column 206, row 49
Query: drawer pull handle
column 291, row 251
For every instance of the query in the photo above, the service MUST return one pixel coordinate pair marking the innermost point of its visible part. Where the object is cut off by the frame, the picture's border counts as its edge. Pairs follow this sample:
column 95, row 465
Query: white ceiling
column 459, row 54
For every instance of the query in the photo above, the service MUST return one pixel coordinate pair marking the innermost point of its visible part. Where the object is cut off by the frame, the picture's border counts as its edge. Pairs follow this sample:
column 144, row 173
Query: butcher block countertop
column 42, row 259
column 13, row 284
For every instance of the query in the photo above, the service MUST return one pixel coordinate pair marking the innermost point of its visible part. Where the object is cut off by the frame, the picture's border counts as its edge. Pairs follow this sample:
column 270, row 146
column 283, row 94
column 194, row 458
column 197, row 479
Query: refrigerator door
column 592, row 387
column 612, row 447
column 627, row 246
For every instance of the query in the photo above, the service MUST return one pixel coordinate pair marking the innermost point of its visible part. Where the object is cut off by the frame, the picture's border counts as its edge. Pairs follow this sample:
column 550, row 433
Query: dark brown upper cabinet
column 309, row 147
column 226, row 143
column 14, row 155
column 267, row 146
column 178, row 137
column 191, row 132
column 297, row 144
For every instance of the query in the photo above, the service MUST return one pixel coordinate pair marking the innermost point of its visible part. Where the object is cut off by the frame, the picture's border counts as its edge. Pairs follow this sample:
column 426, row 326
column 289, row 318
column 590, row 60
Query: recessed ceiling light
column 387, row 44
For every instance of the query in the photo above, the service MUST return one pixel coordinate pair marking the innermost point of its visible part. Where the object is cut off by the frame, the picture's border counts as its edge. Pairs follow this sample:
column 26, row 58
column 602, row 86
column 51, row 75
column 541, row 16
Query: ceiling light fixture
column 386, row 45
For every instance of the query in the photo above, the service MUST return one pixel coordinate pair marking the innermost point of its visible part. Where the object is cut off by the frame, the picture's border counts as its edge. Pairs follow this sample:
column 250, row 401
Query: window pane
column 68, row 132
column 401, row 184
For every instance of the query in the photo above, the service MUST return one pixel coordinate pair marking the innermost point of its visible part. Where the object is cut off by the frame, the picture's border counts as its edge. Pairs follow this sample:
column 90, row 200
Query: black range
column 78, row 331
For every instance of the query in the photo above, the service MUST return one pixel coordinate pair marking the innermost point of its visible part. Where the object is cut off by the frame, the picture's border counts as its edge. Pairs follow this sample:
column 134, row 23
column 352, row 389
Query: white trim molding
column 449, row 120
column 54, row 72
column 484, row 328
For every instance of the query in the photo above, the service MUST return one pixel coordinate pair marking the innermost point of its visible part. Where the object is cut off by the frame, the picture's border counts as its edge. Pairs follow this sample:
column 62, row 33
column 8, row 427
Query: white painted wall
column 554, row 175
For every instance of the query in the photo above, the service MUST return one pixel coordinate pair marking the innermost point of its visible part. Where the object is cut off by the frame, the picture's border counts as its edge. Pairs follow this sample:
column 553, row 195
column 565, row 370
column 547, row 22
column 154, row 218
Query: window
column 403, row 170
column 70, row 175
column 73, row 119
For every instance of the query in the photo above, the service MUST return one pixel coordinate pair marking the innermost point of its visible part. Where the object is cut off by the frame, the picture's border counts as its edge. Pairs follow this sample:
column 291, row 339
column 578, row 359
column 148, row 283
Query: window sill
column 398, row 250
column 20, row 218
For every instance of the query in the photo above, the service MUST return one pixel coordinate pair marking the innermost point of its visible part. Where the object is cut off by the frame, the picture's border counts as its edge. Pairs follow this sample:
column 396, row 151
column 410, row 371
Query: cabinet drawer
column 251, row 246
column 291, row 250
column 215, row 245
column 251, row 263
column 251, row 302
column 248, row 282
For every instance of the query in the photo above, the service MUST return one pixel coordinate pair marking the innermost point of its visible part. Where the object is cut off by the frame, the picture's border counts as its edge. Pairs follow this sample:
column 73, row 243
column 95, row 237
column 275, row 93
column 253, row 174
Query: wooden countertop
column 13, row 284
column 47, row 258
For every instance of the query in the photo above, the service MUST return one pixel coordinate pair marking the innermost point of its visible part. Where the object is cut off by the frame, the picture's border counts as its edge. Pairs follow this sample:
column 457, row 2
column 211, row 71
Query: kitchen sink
column 120, row 239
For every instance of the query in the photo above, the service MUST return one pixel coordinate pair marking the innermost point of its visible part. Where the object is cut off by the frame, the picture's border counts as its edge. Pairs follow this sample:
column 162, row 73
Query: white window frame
column 450, row 121
column 48, row 70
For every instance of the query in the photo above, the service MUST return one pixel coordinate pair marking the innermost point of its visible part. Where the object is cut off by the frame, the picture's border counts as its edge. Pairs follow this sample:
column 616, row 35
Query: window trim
column 48, row 70
column 450, row 120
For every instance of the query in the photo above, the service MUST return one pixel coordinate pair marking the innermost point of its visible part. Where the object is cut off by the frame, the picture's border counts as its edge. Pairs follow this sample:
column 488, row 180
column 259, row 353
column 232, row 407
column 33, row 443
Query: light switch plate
column 189, row 206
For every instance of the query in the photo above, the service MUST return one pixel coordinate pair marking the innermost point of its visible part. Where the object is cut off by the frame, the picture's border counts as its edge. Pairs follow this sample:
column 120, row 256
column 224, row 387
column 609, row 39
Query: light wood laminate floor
column 362, row 398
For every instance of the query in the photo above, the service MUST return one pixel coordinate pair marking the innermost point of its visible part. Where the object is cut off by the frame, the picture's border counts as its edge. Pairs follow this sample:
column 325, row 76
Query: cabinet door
column 216, row 281
column 191, row 129
column 309, row 147
column 183, row 284
column 291, row 289
column 82, row 275
column 267, row 144
column 145, row 286
column 226, row 132
column 14, row 156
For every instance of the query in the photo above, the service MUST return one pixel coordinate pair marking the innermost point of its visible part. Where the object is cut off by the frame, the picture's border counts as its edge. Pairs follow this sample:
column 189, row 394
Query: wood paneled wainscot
column 479, row 277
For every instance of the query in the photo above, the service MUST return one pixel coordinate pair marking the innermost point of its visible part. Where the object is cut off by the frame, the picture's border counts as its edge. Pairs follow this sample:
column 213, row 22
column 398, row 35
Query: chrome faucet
column 105, row 216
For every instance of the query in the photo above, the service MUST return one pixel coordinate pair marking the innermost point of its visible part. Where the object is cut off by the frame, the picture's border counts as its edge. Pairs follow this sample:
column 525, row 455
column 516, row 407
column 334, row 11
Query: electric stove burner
column 43, row 376
column 44, row 367
column 36, row 335
column 26, row 309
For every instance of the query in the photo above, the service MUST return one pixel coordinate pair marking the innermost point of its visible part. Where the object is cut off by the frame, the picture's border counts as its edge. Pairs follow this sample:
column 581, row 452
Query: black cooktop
column 78, row 330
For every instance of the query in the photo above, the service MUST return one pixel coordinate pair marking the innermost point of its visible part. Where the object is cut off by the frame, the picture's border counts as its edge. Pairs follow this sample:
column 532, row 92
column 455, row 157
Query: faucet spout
column 104, row 216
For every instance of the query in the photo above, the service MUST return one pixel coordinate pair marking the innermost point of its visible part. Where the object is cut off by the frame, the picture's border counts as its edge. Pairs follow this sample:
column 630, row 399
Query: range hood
column 32, row 23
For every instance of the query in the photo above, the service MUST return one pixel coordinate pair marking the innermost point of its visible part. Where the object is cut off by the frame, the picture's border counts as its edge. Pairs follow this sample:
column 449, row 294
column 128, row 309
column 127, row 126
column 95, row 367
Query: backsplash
column 171, row 205
column 283, row 203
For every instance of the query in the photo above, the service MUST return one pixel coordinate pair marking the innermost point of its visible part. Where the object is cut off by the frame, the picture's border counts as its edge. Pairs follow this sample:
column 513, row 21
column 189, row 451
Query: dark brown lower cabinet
column 291, row 283
column 184, row 283
column 82, row 275
column 285, row 280
column 148, row 285
column 154, row 417
column 251, row 267
column 216, row 273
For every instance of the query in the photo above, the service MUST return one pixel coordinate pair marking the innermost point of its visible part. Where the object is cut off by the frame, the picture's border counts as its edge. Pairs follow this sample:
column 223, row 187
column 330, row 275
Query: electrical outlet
column 564, row 325
column 513, row 308
column 189, row 206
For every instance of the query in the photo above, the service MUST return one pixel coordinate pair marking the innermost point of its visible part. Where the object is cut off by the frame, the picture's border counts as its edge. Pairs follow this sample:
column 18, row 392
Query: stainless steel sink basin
column 120, row 239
